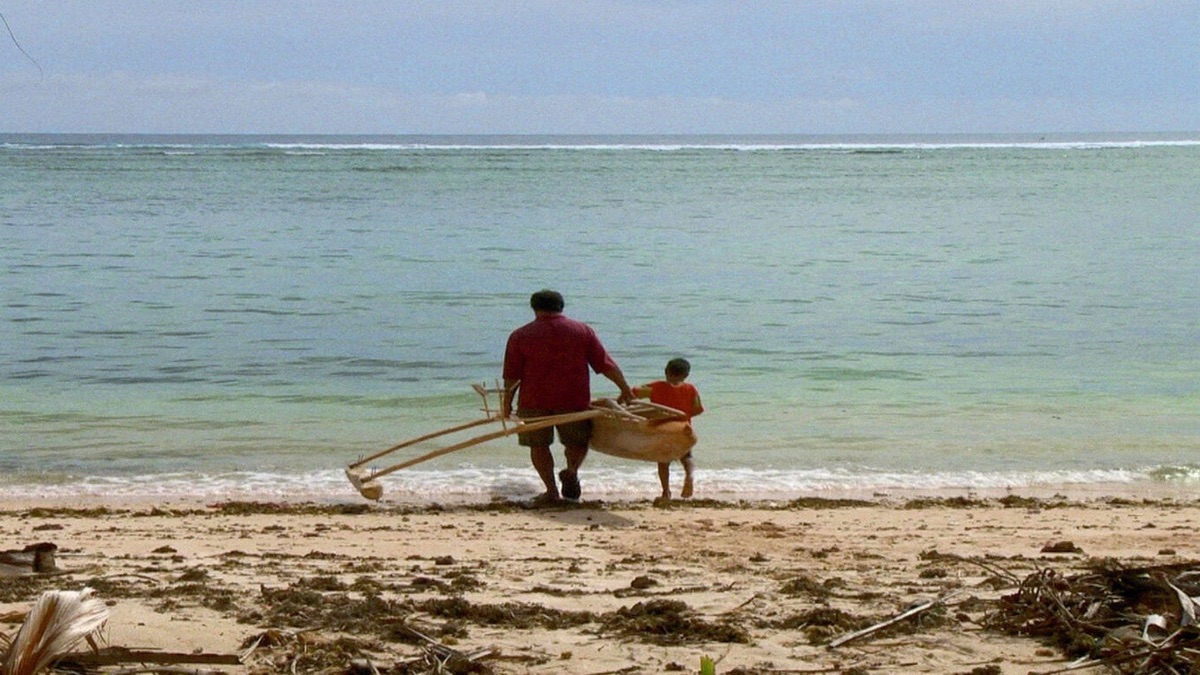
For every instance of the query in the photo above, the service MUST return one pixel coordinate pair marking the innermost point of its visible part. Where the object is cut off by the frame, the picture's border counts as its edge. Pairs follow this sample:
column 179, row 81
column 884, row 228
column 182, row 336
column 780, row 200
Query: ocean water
column 229, row 317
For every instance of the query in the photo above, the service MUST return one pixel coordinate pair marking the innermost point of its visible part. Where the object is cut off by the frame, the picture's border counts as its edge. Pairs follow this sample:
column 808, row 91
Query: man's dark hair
column 547, row 300
column 679, row 367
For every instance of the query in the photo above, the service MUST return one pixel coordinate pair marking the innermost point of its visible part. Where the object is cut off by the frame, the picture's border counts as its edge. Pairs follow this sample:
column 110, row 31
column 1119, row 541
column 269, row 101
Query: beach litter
column 33, row 559
column 1131, row 620
column 56, row 623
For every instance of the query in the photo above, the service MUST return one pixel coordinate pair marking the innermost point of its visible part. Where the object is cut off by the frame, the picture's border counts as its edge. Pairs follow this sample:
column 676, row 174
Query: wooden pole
column 531, row 425
column 419, row 439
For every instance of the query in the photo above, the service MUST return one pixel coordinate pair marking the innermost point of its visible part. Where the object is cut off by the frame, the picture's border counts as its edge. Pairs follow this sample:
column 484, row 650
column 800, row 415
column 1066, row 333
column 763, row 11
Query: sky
column 599, row 66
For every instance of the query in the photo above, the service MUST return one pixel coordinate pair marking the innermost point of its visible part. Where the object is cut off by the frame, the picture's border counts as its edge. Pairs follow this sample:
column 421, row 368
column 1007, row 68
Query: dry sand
column 597, row 588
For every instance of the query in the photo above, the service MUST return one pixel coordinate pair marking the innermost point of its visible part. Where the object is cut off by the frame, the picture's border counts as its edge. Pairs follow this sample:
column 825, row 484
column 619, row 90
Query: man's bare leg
column 570, row 476
column 575, row 456
column 543, row 463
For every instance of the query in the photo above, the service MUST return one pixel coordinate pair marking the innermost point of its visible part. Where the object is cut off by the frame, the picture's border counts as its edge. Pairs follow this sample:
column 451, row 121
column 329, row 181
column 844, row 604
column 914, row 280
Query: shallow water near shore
column 217, row 316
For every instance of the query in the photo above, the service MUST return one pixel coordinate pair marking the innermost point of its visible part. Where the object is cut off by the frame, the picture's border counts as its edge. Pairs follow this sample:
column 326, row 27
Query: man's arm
column 507, row 396
column 618, row 378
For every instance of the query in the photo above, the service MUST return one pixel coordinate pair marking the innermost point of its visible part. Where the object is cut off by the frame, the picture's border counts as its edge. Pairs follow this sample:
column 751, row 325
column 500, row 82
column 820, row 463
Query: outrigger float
column 639, row 430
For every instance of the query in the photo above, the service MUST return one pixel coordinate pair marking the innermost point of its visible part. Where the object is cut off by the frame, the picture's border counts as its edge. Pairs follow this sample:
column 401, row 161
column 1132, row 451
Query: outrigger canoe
column 639, row 430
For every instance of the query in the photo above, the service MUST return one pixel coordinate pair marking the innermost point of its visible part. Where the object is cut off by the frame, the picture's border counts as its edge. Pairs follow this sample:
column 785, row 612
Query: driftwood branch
column 445, row 655
column 883, row 624
column 161, row 670
column 910, row 612
column 111, row 656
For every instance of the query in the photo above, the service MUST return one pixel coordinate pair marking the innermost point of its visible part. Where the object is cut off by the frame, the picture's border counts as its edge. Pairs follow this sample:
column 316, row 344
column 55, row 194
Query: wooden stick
column 883, row 624
column 488, row 416
column 662, row 408
column 116, row 655
column 617, row 410
column 532, row 424
column 419, row 439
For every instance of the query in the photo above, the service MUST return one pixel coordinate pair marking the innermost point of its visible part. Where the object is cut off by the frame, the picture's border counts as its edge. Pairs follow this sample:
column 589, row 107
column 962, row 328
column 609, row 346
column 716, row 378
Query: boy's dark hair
column 547, row 300
column 679, row 367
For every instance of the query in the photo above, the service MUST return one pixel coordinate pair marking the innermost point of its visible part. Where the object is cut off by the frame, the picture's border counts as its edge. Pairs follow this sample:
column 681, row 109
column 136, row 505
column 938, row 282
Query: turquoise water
column 216, row 316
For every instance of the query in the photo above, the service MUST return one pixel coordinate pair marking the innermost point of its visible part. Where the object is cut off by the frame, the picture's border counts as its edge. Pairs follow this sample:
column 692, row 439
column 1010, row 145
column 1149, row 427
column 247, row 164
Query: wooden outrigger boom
column 639, row 413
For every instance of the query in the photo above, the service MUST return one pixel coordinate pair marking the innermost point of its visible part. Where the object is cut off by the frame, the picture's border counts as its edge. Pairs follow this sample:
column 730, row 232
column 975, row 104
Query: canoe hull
column 644, row 440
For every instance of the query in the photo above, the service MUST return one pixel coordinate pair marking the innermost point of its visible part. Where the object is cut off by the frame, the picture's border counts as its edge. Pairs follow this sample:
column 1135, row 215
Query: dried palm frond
column 58, row 621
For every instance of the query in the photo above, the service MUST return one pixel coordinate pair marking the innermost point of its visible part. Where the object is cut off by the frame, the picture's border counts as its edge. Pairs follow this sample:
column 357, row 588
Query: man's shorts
column 572, row 433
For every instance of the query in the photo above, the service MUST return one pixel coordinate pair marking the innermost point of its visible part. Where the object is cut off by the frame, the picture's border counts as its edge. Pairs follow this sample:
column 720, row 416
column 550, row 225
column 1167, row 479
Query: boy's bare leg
column 688, row 467
column 664, row 477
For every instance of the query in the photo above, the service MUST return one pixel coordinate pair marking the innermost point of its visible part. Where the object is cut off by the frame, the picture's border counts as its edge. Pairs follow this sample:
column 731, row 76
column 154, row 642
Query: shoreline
column 1149, row 490
column 620, row 587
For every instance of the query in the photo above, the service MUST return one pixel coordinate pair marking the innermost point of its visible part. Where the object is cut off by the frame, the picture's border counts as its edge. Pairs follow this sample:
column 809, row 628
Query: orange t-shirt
column 683, row 397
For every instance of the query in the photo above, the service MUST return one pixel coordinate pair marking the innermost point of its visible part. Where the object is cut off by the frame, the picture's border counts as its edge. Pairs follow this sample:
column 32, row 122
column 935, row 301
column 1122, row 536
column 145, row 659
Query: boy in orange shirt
column 675, row 392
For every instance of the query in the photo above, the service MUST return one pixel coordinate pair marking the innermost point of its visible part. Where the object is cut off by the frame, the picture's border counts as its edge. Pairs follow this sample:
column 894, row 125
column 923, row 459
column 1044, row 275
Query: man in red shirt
column 546, row 364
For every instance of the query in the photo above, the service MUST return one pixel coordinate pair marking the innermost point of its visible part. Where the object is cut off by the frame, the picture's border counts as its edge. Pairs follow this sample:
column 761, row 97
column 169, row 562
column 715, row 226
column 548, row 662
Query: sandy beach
column 632, row 587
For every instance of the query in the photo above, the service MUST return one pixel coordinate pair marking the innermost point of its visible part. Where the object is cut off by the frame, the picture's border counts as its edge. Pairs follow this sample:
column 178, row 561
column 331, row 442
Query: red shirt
column 683, row 397
column 551, row 356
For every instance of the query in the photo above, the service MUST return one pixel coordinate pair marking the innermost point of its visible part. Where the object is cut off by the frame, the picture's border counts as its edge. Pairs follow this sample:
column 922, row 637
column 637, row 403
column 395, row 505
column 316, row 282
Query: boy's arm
column 697, row 405
column 642, row 392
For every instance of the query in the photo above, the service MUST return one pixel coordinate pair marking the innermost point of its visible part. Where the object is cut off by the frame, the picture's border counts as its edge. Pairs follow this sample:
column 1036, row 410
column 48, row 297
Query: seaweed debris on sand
column 264, row 588
column 1134, row 620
